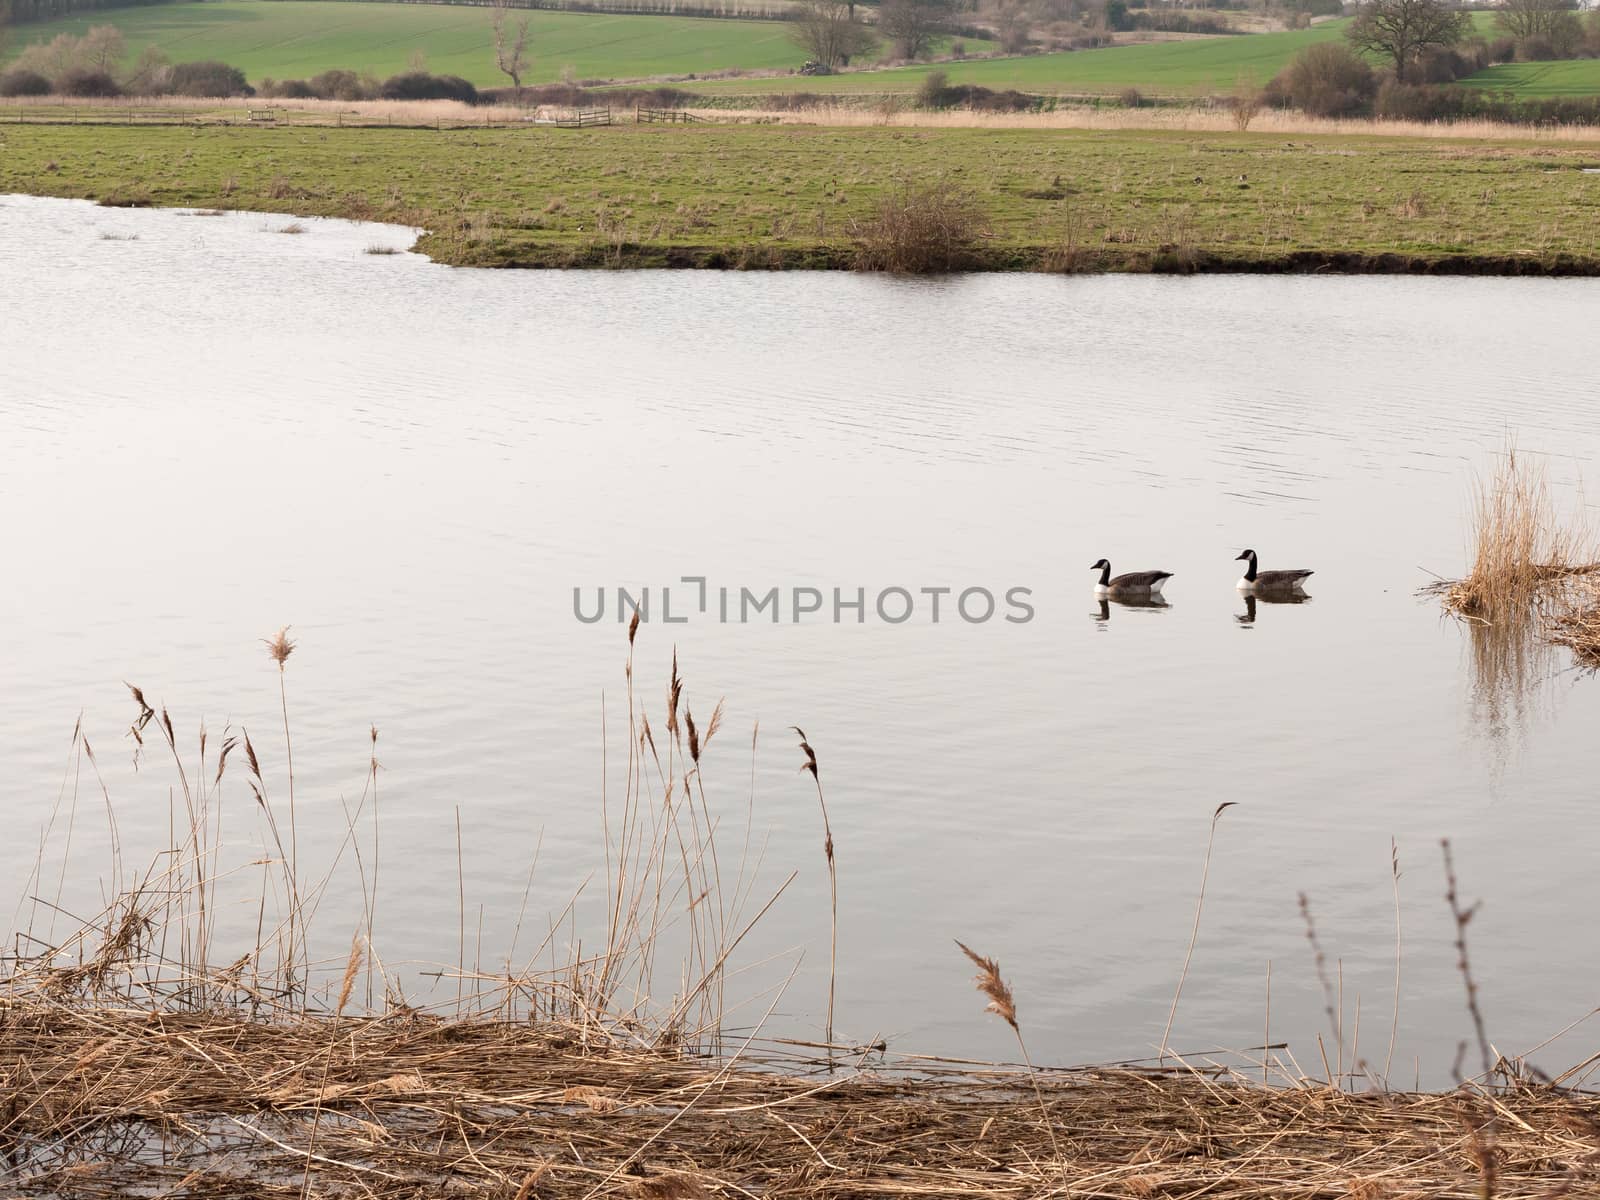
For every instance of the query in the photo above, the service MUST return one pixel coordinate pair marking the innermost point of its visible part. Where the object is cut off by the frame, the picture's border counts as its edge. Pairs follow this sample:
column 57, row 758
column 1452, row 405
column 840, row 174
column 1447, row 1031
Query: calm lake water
column 211, row 428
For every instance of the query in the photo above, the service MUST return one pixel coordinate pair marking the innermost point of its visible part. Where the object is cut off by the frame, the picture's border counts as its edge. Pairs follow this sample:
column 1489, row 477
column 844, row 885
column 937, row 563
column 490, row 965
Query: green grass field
column 298, row 38
column 1580, row 77
column 1195, row 67
column 288, row 39
column 764, row 195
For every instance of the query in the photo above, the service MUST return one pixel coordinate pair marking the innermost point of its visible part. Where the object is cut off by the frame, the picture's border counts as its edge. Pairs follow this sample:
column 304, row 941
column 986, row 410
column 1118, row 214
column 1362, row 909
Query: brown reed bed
column 109, row 1102
column 1524, row 550
column 1530, row 586
column 133, row 1064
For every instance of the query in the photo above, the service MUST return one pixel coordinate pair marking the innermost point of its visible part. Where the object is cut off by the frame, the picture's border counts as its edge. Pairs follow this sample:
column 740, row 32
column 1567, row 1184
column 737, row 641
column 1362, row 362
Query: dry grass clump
column 1529, row 587
column 1522, row 546
column 920, row 229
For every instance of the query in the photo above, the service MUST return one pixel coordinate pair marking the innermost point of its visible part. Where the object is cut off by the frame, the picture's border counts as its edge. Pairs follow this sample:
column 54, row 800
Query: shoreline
column 414, row 1103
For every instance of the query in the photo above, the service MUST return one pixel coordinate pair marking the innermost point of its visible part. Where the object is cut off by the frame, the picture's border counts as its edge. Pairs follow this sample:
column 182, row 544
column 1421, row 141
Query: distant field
column 1200, row 66
column 296, row 38
column 1533, row 80
column 1196, row 67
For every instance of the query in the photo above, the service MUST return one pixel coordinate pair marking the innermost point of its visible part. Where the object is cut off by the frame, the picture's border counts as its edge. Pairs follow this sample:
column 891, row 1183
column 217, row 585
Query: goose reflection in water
column 1103, row 614
column 1248, row 617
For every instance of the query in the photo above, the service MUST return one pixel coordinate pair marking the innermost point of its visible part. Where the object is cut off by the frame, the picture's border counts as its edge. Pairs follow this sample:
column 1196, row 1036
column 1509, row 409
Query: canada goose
column 1134, row 583
column 1269, row 581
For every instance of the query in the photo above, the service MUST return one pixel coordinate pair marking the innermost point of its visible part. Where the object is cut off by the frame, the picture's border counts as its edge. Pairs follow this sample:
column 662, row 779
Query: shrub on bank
column 937, row 93
column 577, row 95
column 419, row 85
column 84, row 81
column 343, row 85
column 1410, row 102
column 287, row 89
column 24, row 83
column 920, row 229
column 208, row 79
column 1325, row 80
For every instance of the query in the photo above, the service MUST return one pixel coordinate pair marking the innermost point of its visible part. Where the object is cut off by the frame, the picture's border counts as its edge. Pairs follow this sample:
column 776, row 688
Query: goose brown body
column 1132, row 583
column 1256, row 580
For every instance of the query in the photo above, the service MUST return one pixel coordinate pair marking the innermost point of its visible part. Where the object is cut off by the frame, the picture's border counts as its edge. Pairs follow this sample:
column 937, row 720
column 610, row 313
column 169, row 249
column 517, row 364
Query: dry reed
column 1528, row 587
column 1577, row 625
column 130, row 1067
column 846, row 111
column 810, row 765
column 113, row 1103
column 1198, row 119
column 1523, row 549
column 1194, row 933
column 920, row 228
column 1004, row 1005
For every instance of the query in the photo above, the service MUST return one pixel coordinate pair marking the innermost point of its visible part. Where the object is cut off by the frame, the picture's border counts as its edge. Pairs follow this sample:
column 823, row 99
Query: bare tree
column 1013, row 21
column 103, row 48
column 913, row 25
column 1531, row 18
column 151, row 73
column 1400, row 30
column 510, row 45
column 829, row 33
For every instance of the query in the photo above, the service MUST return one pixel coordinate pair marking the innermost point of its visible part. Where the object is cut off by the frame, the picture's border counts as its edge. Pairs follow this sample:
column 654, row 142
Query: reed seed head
column 279, row 647
column 810, row 763
column 351, row 968
column 674, row 694
column 1001, row 1002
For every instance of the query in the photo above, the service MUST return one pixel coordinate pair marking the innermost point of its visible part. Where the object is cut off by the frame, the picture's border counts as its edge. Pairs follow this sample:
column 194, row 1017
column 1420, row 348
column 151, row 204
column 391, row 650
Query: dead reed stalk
column 1394, row 1027
column 279, row 647
column 810, row 764
column 1194, row 933
column 1462, row 917
column 1004, row 1005
column 1333, row 1008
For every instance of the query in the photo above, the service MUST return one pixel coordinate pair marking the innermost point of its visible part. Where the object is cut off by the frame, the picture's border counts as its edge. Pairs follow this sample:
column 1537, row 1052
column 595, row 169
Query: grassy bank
column 771, row 196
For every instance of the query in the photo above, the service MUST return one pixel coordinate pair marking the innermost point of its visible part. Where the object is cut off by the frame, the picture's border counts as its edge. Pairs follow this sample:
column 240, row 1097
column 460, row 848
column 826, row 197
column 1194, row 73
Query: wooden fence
column 663, row 116
column 585, row 118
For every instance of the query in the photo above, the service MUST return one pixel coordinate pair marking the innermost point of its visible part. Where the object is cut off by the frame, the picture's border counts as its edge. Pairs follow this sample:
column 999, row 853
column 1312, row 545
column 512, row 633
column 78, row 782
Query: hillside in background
column 1196, row 66
column 297, row 38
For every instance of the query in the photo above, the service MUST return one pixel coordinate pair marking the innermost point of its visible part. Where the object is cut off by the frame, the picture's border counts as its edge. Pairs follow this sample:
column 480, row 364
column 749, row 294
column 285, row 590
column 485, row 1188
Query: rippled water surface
column 211, row 428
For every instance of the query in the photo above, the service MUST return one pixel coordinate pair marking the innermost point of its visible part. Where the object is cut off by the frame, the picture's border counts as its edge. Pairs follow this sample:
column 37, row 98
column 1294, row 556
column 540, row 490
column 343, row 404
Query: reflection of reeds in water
column 1528, row 562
